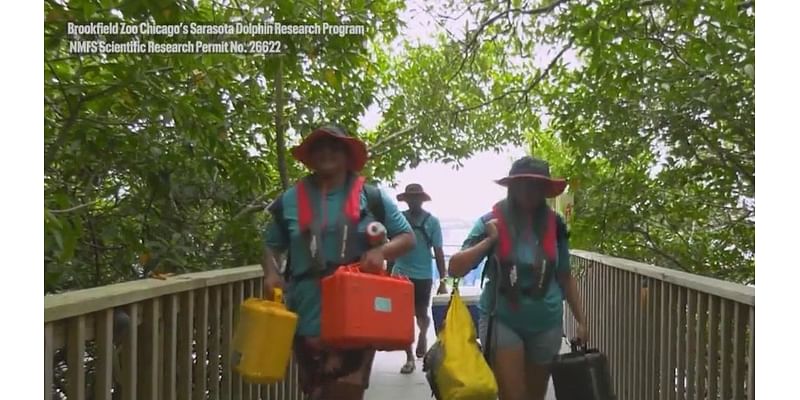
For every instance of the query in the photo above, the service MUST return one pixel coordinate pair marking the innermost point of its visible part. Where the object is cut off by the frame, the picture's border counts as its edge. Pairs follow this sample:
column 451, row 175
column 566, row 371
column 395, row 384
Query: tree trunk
column 280, row 133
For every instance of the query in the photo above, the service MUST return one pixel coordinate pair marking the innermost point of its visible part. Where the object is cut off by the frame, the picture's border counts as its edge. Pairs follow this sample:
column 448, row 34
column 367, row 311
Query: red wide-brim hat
column 356, row 149
column 535, row 169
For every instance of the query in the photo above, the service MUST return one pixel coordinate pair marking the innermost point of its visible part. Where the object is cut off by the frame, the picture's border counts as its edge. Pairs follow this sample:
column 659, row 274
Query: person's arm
column 572, row 296
column 478, row 244
column 270, row 261
column 568, row 283
column 275, row 245
column 398, row 246
column 438, row 253
column 402, row 239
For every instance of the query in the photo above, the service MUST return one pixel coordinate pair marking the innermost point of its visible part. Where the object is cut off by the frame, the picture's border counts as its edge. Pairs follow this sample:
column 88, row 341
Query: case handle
column 356, row 267
column 577, row 345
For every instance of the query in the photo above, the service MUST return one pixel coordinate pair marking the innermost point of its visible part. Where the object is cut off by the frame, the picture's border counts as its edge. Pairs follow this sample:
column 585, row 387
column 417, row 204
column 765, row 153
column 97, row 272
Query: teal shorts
column 540, row 347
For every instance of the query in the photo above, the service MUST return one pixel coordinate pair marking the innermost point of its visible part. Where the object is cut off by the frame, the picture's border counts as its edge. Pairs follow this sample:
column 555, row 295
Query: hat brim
column 405, row 195
column 553, row 187
column 356, row 149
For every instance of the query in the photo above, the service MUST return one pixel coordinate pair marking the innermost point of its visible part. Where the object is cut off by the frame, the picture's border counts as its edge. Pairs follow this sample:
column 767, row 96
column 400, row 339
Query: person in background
column 416, row 265
column 320, row 224
column 528, row 269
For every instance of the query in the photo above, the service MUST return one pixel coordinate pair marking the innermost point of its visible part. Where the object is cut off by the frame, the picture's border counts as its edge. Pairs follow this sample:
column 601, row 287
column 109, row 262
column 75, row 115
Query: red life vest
column 352, row 204
column 504, row 245
column 543, row 266
column 348, row 228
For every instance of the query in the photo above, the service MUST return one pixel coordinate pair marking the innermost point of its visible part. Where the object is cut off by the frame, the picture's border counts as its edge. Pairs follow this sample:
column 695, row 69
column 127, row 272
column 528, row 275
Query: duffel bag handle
column 577, row 345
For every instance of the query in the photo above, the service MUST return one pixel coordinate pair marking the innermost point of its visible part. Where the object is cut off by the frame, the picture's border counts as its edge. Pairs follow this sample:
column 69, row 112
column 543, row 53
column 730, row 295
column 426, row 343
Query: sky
column 459, row 198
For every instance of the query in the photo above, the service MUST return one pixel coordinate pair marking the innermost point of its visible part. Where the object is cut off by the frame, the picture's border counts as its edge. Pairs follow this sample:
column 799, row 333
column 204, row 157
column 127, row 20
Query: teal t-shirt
column 417, row 263
column 303, row 296
column 531, row 315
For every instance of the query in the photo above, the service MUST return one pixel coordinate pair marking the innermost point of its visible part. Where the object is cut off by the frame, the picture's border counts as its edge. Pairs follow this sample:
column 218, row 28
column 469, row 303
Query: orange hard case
column 366, row 310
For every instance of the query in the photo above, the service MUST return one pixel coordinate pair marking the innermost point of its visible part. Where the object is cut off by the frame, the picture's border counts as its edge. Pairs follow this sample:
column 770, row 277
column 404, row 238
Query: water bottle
column 376, row 234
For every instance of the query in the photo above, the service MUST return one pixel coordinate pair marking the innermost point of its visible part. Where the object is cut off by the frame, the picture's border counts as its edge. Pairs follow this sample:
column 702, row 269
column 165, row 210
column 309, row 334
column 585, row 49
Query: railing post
column 185, row 338
column 713, row 347
column 641, row 326
column 727, row 349
column 129, row 354
column 216, row 341
column 691, row 348
column 739, row 355
column 651, row 298
column 104, row 354
column 150, row 352
column 629, row 346
column 680, row 354
column 702, row 345
column 170, row 347
column 671, row 340
column 201, row 329
column 227, row 332
column 238, row 297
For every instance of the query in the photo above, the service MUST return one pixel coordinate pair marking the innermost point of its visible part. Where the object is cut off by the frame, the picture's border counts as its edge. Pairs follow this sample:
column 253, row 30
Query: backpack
column 420, row 227
column 374, row 205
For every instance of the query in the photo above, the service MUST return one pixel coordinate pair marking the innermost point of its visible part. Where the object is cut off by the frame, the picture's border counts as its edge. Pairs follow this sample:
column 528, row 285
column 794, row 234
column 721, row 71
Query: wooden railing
column 153, row 339
column 668, row 334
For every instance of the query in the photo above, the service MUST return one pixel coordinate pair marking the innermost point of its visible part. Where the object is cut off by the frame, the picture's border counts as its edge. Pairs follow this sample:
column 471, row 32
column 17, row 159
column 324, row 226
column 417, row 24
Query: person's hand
column 271, row 282
column 442, row 287
column 491, row 230
column 582, row 333
column 372, row 260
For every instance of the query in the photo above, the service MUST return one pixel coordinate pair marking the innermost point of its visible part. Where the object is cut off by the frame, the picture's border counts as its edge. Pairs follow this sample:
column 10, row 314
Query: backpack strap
column 428, row 239
column 421, row 226
column 375, row 202
column 489, row 348
column 487, row 265
column 276, row 210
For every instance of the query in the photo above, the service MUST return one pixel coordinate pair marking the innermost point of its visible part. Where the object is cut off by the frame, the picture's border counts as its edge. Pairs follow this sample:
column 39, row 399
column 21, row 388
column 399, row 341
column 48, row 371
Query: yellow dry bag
column 463, row 373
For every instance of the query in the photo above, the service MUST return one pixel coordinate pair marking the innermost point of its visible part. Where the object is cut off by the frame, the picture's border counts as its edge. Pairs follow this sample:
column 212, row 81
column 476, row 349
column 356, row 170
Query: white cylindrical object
column 376, row 233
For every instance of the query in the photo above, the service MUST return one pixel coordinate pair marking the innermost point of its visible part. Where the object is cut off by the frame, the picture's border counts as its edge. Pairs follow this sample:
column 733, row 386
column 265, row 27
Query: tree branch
column 473, row 41
column 543, row 74
column 76, row 208
column 388, row 138
column 653, row 246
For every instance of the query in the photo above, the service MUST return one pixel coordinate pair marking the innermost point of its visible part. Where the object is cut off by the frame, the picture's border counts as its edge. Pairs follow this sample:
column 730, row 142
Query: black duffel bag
column 582, row 374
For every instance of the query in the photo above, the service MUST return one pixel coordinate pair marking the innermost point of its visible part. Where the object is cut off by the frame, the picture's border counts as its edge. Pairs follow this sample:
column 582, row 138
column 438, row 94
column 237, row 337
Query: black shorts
column 422, row 296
